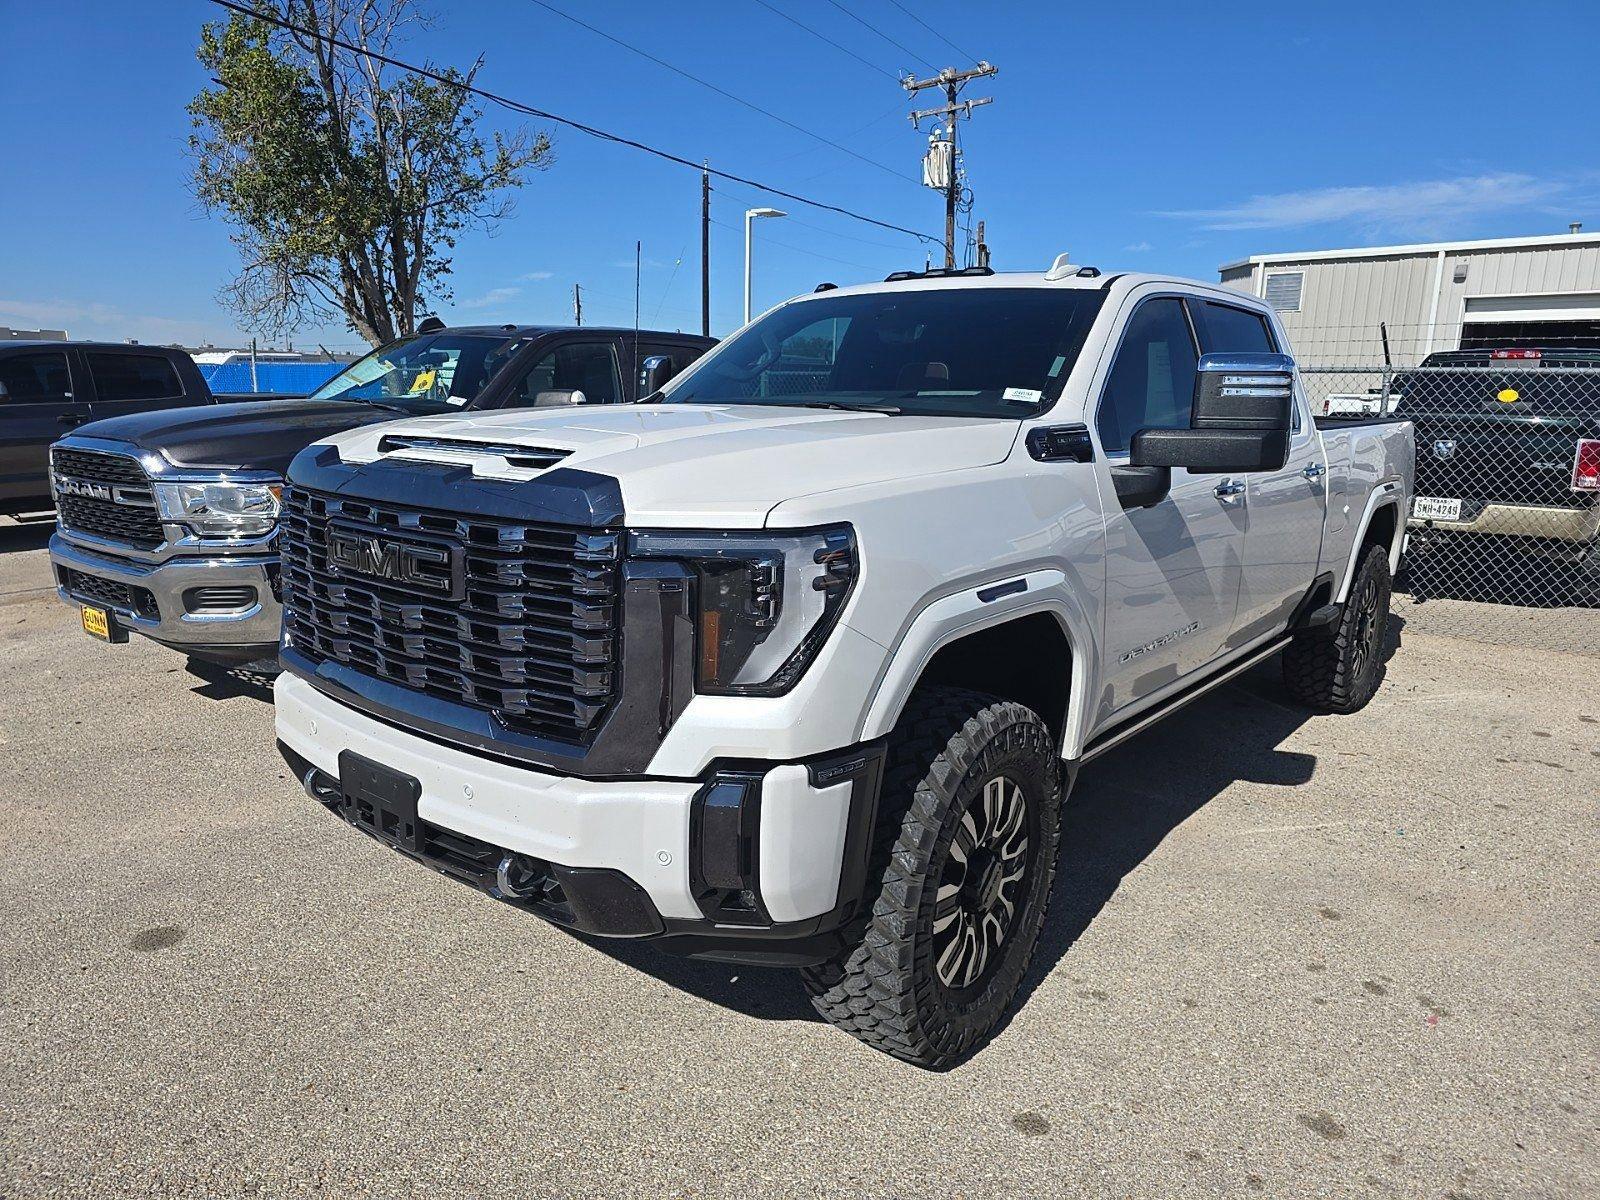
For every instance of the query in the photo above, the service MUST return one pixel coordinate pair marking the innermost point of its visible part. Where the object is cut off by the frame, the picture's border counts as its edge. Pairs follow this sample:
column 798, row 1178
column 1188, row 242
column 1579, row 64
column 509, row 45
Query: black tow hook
column 322, row 787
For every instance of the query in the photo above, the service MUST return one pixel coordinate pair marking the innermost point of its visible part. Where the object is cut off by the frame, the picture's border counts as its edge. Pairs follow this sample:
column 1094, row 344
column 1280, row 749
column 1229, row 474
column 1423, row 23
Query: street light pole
column 750, row 215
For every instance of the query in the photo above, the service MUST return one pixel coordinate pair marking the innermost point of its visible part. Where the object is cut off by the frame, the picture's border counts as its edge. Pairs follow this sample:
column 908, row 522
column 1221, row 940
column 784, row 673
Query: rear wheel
column 1338, row 669
column 965, row 859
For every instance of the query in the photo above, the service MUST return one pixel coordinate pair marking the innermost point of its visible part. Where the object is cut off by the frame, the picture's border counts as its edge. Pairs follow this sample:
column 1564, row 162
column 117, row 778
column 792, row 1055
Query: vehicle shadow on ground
column 1122, row 809
column 218, row 682
column 33, row 534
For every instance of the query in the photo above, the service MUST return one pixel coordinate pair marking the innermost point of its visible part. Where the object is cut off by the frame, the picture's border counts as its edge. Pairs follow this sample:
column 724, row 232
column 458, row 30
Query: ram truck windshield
column 424, row 375
column 955, row 352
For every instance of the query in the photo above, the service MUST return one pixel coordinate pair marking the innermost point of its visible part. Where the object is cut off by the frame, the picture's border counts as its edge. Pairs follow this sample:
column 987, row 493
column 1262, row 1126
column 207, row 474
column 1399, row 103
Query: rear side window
column 1230, row 330
column 1151, row 385
column 133, row 377
column 31, row 378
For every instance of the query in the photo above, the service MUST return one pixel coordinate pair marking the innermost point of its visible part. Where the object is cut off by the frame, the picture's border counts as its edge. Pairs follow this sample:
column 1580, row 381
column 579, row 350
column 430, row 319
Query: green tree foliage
column 347, row 183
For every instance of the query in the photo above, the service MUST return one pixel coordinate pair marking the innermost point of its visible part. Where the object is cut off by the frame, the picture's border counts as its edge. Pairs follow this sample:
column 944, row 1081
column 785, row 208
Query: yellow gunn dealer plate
column 97, row 621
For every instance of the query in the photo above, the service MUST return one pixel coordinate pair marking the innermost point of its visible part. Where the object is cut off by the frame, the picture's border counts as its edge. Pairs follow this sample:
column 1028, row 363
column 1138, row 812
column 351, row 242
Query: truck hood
column 258, row 435
column 722, row 466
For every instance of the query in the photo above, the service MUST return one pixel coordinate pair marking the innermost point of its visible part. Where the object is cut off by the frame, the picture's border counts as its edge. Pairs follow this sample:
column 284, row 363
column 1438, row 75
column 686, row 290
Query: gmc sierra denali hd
column 797, row 663
column 167, row 522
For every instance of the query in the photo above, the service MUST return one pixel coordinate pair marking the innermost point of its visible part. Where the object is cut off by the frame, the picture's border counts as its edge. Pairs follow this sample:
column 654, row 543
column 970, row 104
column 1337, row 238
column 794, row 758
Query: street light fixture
column 750, row 214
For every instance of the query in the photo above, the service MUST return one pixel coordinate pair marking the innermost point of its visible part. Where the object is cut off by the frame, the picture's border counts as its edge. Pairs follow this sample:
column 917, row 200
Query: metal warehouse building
column 1340, row 306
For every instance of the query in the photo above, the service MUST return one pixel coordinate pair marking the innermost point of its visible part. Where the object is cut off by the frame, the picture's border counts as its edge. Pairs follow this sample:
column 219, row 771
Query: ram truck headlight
column 765, row 602
column 221, row 509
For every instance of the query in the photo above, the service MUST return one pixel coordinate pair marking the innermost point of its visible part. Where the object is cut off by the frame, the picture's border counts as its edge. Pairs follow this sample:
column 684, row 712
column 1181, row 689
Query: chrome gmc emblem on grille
column 422, row 565
column 68, row 486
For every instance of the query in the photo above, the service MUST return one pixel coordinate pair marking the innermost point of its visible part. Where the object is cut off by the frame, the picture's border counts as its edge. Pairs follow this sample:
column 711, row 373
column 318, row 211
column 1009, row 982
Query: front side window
column 586, row 367
column 430, row 373
column 942, row 351
column 33, row 378
column 1151, row 385
column 1230, row 330
column 133, row 377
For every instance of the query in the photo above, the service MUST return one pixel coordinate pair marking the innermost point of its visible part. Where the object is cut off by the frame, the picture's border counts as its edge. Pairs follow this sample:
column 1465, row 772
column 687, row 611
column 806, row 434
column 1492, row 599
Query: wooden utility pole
column 941, row 168
column 705, row 251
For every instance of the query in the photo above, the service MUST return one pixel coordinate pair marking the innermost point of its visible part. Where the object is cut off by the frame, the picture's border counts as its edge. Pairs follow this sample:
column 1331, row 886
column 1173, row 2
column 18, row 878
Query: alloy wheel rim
column 980, row 885
column 1366, row 626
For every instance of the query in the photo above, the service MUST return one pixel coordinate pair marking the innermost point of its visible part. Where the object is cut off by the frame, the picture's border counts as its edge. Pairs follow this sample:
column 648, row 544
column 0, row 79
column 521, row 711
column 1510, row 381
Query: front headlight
column 222, row 509
column 765, row 602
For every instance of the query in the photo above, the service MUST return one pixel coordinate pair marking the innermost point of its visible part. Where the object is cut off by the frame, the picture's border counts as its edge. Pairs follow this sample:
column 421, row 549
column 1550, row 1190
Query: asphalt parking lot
column 1288, row 957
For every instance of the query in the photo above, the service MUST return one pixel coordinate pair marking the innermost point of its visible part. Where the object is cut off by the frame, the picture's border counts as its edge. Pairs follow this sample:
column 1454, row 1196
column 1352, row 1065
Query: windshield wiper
column 892, row 410
column 380, row 404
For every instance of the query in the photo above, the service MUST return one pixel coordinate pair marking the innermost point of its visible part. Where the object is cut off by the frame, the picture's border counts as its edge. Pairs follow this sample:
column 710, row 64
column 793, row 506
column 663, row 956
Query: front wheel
column 1338, row 669
column 966, row 854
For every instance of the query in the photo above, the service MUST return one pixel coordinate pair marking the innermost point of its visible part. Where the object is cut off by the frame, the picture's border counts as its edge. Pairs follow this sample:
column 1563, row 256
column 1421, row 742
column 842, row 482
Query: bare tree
column 347, row 183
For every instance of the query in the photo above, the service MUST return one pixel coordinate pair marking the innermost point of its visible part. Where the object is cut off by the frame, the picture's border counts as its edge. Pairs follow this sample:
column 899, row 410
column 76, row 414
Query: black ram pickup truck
column 1508, row 457
column 47, row 388
column 167, row 522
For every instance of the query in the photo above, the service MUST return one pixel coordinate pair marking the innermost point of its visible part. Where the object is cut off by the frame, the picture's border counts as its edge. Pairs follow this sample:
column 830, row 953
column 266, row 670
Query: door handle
column 1314, row 471
column 1229, row 488
column 69, row 419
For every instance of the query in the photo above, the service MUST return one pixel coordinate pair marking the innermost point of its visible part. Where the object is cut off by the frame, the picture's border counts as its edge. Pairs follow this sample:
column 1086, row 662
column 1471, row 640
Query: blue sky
column 1154, row 136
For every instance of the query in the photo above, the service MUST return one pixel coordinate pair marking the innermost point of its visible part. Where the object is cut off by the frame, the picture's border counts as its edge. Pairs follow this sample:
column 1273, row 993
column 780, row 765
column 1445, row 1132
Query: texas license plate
column 97, row 622
column 1436, row 508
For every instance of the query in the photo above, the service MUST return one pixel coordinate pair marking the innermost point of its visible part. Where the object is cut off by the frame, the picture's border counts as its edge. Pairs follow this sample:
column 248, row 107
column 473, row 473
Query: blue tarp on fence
column 292, row 379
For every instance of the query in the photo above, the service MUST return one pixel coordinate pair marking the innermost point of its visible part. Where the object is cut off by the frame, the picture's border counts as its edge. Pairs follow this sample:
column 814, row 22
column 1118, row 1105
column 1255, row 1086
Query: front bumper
column 1579, row 525
column 173, row 601
column 755, row 862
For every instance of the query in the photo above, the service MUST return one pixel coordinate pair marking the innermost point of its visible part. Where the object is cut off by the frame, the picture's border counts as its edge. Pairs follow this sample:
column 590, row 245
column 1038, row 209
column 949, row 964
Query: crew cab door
column 1172, row 569
column 1285, row 510
column 38, row 404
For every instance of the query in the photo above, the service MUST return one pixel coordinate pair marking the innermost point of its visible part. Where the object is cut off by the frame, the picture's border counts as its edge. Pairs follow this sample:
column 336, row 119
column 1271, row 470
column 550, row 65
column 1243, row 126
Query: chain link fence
column 1504, row 533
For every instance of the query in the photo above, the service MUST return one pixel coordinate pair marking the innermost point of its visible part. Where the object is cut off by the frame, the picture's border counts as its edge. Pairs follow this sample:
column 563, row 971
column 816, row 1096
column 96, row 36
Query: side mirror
column 1243, row 410
column 558, row 398
column 653, row 373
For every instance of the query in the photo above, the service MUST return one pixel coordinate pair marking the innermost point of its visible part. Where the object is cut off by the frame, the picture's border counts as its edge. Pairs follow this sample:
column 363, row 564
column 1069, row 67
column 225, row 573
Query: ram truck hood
column 686, row 465
column 257, row 435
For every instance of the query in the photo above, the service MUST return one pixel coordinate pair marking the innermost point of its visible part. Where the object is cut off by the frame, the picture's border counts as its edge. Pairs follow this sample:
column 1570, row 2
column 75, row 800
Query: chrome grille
column 533, row 639
column 134, row 524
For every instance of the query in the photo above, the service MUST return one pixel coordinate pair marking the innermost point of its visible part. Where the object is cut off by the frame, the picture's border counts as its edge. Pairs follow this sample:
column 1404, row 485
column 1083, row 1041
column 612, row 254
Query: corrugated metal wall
column 1343, row 301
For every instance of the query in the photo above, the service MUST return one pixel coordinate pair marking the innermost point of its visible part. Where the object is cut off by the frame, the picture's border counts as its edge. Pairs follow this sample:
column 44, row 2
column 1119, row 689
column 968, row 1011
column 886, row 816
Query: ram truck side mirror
column 558, row 398
column 653, row 373
column 1242, row 414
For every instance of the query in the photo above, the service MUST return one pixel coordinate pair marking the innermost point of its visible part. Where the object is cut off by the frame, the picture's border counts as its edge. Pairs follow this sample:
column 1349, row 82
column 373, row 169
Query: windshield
column 968, row 352
column 431, row 373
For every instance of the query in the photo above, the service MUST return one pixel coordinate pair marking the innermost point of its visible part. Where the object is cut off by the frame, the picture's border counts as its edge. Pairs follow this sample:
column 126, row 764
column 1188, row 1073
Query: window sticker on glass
column 1055, row 367
column 1023, row 395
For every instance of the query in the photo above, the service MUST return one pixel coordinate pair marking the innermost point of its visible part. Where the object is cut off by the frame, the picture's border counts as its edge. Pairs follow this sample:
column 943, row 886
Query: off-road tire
column 1337, row 669
column 886, row 989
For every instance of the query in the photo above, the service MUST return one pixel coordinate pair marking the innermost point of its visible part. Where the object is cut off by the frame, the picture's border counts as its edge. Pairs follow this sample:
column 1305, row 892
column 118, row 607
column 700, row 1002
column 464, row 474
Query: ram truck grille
column 132, row 520
column 513, row 618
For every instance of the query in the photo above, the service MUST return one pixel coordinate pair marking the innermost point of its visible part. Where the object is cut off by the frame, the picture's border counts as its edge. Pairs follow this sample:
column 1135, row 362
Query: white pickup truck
column 796, row 660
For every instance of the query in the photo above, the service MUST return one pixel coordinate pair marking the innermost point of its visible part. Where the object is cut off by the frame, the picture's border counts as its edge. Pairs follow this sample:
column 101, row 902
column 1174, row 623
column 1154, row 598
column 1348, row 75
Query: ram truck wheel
column 1337, row 669
column 964, row 860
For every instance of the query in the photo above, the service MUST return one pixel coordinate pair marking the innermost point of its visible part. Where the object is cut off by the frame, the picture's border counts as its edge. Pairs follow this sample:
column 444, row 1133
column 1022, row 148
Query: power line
column 723, row 92
column 935, row 32
column 880, row 33
column 545, row 115
column 871, row 66
column 843, row 262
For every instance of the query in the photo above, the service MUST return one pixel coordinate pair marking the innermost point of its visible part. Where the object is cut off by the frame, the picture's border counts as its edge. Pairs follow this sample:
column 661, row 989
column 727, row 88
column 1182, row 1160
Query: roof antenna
column 1061, row 268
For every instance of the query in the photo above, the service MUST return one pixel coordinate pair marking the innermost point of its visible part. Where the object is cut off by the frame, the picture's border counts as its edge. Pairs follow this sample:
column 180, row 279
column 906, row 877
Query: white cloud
column 536, row 276
column 1422, row 205
column 1139, row 248
column 491, row 298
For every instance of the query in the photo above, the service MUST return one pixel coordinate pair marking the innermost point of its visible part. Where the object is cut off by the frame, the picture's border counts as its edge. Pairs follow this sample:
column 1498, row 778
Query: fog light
column 725, row 820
